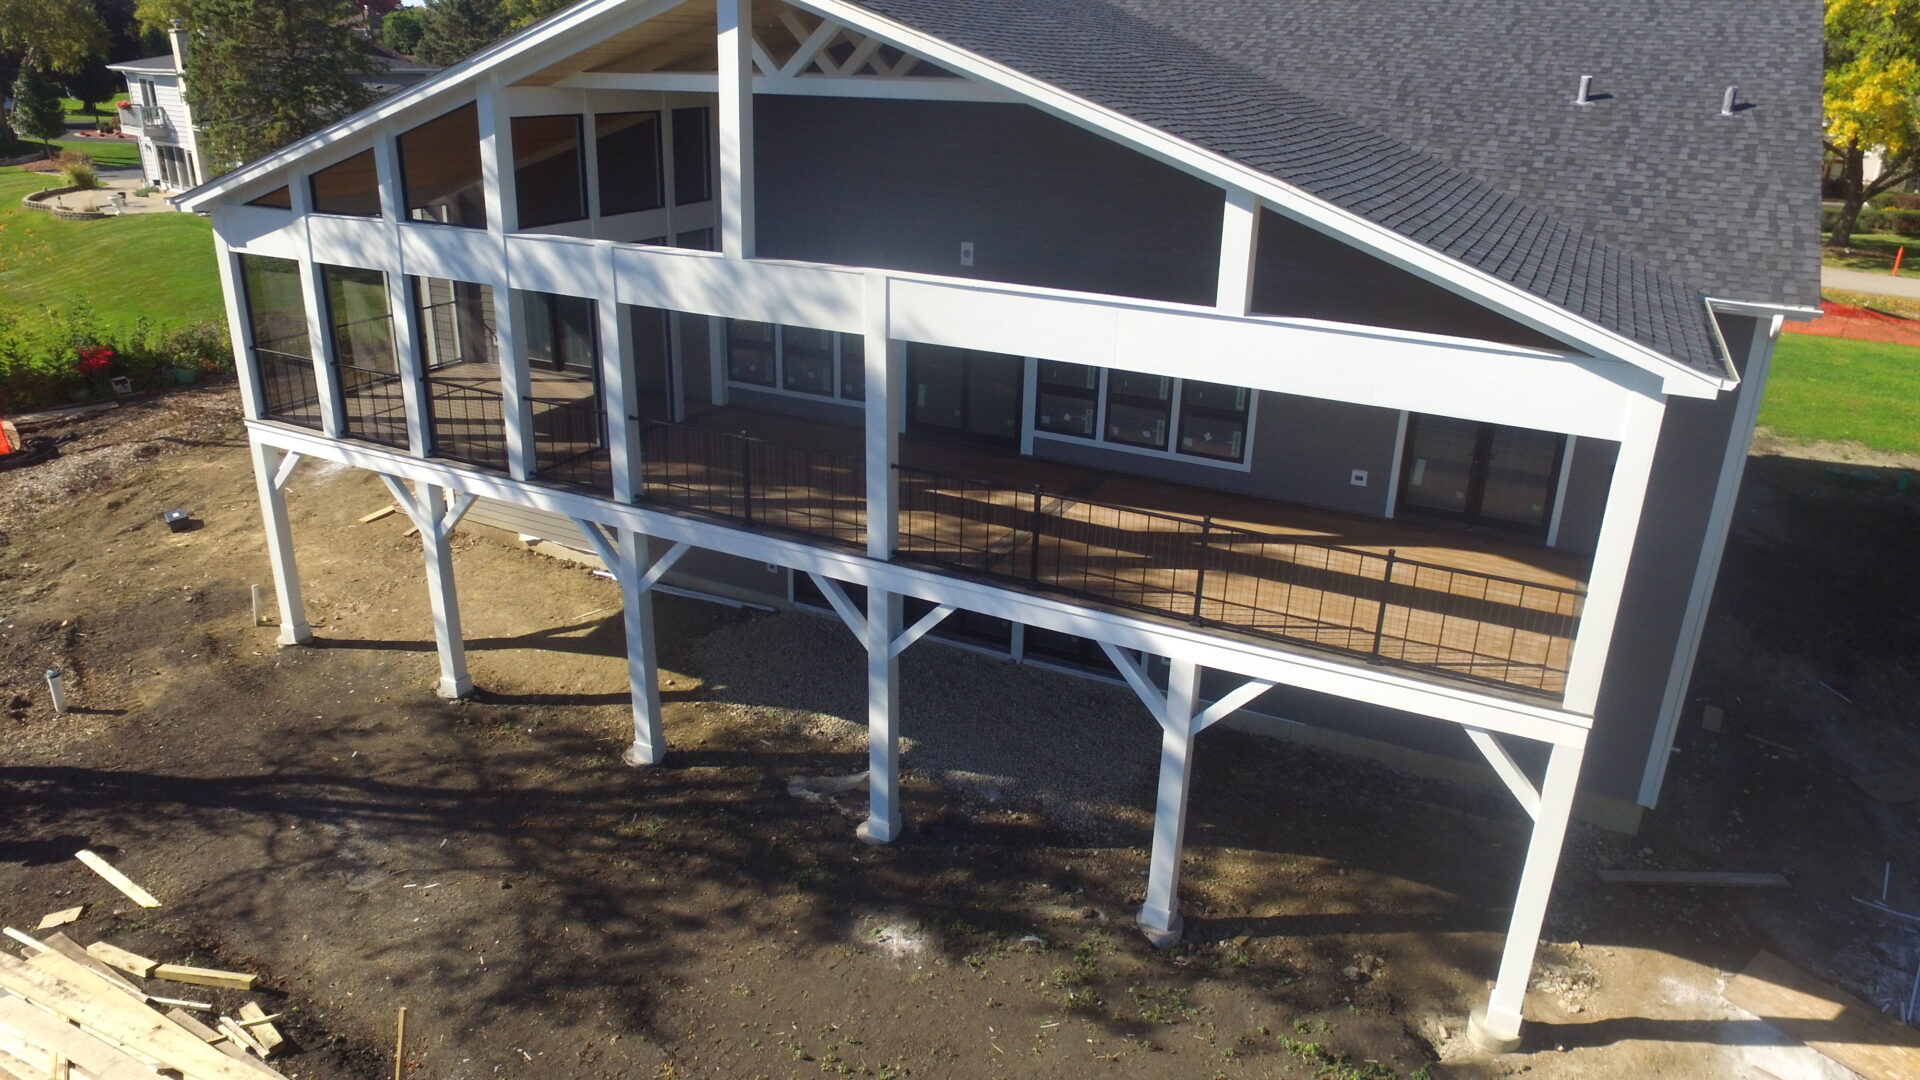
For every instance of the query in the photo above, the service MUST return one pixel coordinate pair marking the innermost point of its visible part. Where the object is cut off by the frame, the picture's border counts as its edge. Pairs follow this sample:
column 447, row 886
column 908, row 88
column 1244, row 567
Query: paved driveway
column 1866, row 281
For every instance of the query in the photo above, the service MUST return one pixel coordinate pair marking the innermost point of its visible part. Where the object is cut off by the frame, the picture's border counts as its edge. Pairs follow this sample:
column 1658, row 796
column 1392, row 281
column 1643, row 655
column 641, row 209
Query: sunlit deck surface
column 1446, row 601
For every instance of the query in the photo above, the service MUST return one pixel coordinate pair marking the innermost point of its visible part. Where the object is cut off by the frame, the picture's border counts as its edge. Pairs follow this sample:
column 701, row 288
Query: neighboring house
column 1355, row 369
column 158, row 114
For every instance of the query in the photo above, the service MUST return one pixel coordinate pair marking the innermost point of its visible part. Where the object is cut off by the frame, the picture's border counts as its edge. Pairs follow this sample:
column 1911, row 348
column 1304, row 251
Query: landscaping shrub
column 1900, row 200
column 1902, row 222
column 1869, row 221
column 55, row 356
column 78, row 170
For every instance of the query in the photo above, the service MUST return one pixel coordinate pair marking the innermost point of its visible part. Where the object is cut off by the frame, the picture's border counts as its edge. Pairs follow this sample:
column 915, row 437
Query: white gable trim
column 605, row 17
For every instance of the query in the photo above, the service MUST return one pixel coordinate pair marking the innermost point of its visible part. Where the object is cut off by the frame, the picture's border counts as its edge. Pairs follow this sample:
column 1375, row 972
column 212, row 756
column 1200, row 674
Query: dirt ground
column 315, row 814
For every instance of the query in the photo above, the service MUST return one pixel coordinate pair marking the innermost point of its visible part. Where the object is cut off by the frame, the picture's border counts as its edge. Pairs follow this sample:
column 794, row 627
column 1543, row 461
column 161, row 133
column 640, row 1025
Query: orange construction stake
column 1897, row 256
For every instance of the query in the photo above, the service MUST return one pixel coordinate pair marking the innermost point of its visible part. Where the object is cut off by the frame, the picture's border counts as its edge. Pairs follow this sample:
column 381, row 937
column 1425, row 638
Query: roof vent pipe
column 1585, row 96
column 1728, row 102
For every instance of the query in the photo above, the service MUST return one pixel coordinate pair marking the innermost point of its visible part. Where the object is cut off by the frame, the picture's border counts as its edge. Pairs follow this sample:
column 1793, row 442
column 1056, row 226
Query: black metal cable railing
column 467, row 424
column 372, row 405
column 816, row 492
column 570, row 443
column 289, row 391
column 1386, row 608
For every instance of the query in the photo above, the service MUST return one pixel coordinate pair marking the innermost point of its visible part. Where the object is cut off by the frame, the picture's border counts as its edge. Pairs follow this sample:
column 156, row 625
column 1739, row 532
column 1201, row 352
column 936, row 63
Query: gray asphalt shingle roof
column 1453, row 124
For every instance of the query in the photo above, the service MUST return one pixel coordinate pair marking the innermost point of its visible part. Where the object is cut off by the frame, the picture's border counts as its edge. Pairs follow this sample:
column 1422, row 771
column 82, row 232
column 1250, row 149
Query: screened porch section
column 1411, row 596
column 282, row 352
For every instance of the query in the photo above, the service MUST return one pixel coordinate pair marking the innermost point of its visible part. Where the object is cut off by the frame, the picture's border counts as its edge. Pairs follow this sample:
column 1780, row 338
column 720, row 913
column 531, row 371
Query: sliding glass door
column 1480, row 474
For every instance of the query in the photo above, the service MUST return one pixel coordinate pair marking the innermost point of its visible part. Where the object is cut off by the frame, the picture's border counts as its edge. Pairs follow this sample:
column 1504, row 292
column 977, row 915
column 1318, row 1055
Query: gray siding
column 1586, row 503
column 1304, row 451
column 900, row 185
column 1302, row 272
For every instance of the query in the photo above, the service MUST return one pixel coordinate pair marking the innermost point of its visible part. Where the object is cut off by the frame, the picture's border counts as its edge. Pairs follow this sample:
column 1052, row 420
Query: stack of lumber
column 68, row 1013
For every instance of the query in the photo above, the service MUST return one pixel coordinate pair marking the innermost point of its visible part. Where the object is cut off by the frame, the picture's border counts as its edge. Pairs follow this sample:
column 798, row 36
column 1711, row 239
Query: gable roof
column 1441, row 92
column 162, row 65
column 1178, row 73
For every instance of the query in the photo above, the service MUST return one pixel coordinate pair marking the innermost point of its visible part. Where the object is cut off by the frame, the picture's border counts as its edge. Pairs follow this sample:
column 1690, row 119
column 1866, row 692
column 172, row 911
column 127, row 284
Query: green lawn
column 1839, row 389
column 77, row 113
column 1875, row 251
column 157, row 265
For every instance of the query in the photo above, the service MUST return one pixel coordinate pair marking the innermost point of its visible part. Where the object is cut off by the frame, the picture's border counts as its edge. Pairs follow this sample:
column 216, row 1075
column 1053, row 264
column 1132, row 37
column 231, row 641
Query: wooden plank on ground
column 117, row 957
column 377, row 514
column 241, row 1036
column 255, row 1021
column 28, row 940
column 60, row 918
column 117, row 879
column 1893, row 788
column 73, row 992
column 71, row 949
column 95, row 1057
column 1733, row 879
column 1842, row 1027
column 198, row 976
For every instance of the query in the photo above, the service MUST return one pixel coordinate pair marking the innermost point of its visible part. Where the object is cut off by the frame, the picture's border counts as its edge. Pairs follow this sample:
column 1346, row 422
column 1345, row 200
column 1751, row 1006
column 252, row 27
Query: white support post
column 239, row 329
column 431, row 518
column 516, row 382
column 286, row 575
column 1496, row 1027
column 1239, row 246
column 883, row 718
column 616, row 384
column 406, row 333
column 1160, row 915
column 643, row 655
column 1626, row 498
column 497, row 184
column 735, row 29
column 313, row 292
column 885, row 388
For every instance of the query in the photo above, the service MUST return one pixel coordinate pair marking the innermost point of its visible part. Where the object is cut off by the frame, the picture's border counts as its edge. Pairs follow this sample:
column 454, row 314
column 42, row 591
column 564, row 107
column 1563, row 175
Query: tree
column 262, row 73
column 523, row 13
column 1872, row 99
column 51, row 35
column 402, row 30
column 452, row 30
column 37, row 113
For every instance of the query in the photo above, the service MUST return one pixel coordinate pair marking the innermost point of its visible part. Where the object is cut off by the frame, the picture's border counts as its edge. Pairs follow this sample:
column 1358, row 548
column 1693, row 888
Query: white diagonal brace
column 919, row 629
column 404, row 500
column 763, row 59
column 1149, row 694
column 905, row 64
column 462, row 502
column 811, row 42
column 605, row 547
column 1227, row 705
column 860, row 55
column 1508, row 770
column 837, row 596
column 663, row 564
column 285, row 472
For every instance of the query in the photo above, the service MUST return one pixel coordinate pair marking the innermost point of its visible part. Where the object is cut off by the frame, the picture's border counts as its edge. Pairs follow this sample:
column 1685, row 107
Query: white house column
column 735, row 26
column 1239, row 244
column 239, row 330
column 1496, row 1027
column 883, row 715
column 400, row 305
column 643, row 655
column 503, row 217
column 286, row 576
column 1626, row 498
column 616, row 383
column 313, row 291
column 442, row 593
column 1160, row 914
column 885, row 359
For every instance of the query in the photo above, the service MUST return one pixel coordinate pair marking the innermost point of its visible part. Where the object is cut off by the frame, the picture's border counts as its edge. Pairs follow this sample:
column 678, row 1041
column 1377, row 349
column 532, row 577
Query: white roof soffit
column 1678, row 379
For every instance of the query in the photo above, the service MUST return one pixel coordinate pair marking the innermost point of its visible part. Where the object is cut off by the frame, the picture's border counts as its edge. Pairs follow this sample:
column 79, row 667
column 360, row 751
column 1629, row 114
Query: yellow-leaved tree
column 1872, row 99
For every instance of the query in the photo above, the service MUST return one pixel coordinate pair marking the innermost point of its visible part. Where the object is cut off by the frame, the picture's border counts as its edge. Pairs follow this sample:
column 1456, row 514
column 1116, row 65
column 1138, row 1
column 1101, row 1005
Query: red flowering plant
column 123, row 105
column 94, row 361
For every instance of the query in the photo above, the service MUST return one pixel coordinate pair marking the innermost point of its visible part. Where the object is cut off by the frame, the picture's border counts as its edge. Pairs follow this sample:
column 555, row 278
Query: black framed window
column 697, row 239
column 1213, row 420
column 1139, row 409
column 1067, row 399
column 627, row 146
column 362, row 323
column 853, row 367
column 806, row 360
column 276, row 306
column 750, row 352
column 561, row 334
column 692, row 156
column 350, row 187
column 440, row 170
column 549, row 175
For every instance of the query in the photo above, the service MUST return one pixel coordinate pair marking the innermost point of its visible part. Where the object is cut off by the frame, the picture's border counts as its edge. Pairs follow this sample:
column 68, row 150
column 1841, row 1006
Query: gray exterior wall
column 1303, row 272
column 900, row 184
column 1588, row 476
column 1303, row 452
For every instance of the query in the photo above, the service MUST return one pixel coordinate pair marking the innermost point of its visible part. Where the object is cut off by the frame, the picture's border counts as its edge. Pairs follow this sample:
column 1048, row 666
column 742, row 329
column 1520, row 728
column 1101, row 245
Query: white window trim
column 779, row 386
column 1172, row 453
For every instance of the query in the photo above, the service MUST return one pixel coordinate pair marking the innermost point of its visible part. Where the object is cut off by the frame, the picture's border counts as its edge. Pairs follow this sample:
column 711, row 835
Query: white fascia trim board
column 1761, row 310
column 1407, row 254
column 862, row 86
column 1280, row 665
column 483, row 62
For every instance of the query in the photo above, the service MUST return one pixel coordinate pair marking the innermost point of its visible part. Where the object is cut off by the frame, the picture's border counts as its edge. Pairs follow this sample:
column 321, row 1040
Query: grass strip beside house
column 1838, row 389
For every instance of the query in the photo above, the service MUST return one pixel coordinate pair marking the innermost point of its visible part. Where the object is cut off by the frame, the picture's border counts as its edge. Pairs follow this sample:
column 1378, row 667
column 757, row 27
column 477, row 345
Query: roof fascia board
column 1402, row 252
column 617, row 14
column 1759, row 310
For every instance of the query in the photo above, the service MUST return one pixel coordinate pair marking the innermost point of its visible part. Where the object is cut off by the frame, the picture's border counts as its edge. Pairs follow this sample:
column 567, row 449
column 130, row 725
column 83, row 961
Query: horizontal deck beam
column 1277, row 664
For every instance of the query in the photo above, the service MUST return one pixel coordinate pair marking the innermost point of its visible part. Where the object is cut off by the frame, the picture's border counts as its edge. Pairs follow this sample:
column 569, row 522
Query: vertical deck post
column 643, row 654
column 620, row 395
column 286, row 576
column 885, row 360
column 1160, row 915
column 883, row 718
column 735, row 30
column 326, row 376
column 1496, row 1026
column 441, row 593
column 497, row 184
column 400, row 300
